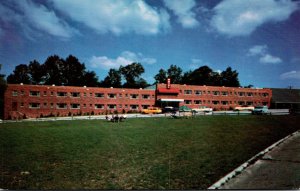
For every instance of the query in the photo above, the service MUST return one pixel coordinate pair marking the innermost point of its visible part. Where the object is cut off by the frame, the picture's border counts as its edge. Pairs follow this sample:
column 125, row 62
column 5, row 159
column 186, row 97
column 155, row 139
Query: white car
column 202, row 109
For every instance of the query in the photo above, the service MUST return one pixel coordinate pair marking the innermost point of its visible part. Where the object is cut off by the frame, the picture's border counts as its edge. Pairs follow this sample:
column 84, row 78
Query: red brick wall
column 17, row 99
column 20, row 103
column 208, row 99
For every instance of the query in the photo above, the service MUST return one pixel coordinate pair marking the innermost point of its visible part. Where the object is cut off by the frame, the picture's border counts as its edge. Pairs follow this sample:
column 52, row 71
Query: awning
column 171, row 100
column 168, row 91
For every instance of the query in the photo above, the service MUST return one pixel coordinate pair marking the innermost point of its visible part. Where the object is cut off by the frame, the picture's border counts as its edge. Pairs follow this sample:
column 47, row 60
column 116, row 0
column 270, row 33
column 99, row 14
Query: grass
column 150, row 153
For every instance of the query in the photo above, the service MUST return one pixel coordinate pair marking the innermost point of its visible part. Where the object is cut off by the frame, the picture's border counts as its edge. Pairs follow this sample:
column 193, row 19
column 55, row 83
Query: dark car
column 169, row 109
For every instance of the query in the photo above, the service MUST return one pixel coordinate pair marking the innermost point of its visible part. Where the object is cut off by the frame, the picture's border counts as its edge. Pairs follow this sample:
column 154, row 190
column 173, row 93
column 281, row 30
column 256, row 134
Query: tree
column 20, row 75
column 113, row 79
column 230, row 78
column 54, row 70
column 73, row 72
column 91, row 79
column 200, row 76
column 161, row 77
column 36, row 72
column 132, row 74
column 175, row 73
column 2, row 90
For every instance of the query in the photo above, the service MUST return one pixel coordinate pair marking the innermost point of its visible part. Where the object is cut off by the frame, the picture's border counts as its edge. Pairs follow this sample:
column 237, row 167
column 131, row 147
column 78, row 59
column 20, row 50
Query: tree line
column 71, row 72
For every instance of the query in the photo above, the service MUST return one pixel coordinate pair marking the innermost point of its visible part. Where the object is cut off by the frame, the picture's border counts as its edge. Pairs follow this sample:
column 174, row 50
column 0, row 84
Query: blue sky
column 258, row 38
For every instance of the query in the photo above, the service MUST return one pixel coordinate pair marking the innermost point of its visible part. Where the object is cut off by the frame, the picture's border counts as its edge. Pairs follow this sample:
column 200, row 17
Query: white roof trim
column 174, row 100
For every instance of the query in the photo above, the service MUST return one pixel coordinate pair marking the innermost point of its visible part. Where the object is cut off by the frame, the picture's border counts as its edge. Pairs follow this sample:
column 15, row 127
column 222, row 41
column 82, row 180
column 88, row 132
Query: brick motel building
column 32, row 101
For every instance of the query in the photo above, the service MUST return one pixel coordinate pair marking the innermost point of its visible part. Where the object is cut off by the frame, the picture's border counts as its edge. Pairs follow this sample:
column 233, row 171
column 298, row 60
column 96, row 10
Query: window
column 249, row 103
column 99, row 95
column 14, row 93
column 265, row 103
column 112, row 96
column 61, row 106
column 120, row 95
column 215, row 102
column 134, row 96
column 126, row 106
column 250, row 94
column 241, row 102
column 146, row 96
column 126, row 95
column 208, row 92
column 75, row 94
column 84, row 94
column 22, row 92
column 91, row 94
column 215, row 93
column 120, row 106
column 134, row 107
column 61, row 94
column 265, row 94
column 45, row 93
column 51, row 105
column 22, row 104
column 187, row 92
column 45, row 105
column 75, row 106
column 52, row 93
column 241, row 94
column 188, row 101
column 198, row 102
column 84, row 105
column 99, row 106
column 224, row 93
column 111, row 106
column 34, row 105
column 224, row 102
column 198, row 92
column 145, row 106
column 34, row 93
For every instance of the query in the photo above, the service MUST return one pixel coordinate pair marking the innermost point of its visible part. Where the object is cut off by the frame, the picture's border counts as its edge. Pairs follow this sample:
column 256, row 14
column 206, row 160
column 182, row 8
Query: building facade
column 31, row 101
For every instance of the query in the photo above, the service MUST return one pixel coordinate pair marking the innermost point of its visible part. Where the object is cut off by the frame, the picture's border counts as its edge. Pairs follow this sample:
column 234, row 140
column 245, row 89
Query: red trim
column 168, row 91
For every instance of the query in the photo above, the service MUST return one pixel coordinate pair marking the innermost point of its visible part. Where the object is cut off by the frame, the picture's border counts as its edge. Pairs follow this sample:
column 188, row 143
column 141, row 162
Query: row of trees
column 71, row 72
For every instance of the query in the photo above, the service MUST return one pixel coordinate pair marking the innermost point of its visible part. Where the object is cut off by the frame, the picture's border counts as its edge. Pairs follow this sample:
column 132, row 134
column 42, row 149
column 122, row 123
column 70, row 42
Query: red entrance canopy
column 168, row 91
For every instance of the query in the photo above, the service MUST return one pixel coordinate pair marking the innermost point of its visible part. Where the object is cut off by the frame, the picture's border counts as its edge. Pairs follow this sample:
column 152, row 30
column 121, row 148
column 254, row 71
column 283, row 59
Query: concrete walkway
column 278, row 168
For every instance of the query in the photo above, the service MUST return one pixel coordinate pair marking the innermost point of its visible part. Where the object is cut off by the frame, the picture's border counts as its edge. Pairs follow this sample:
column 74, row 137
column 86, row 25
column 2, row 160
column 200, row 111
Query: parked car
column 169, row 109
column 244, row 108
column 152, row 110
column 259, row 110
column 202, row 109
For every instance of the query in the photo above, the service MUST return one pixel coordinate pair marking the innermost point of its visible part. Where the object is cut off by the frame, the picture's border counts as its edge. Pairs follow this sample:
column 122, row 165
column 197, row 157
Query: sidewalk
column 276, row 169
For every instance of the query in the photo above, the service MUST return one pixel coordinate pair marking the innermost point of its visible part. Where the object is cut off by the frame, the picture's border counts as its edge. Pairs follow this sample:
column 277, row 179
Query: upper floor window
column 112, row 96
column 22, row 92
column 14, row 93
column 265, row 94
column 241, row 93
column 120, row 95
column 249, row 94
column 34, row 93
column 61, row 94
column 198, row 92
column 224, row 93
column 99, row 95
column 75, row 94
column 187, row 92
column 216, row 93
column 146, row 96
column 134, row 96
column 45, row 93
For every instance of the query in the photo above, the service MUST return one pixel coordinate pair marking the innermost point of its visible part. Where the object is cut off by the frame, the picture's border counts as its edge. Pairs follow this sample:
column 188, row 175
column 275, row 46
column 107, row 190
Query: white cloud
column 269, row 59
column 116, row 16
column 35, row 19
column 124, row 59
column 183, row 10
column 241, row 18
column 290, row 75
column 263, row 52
column 257, row 50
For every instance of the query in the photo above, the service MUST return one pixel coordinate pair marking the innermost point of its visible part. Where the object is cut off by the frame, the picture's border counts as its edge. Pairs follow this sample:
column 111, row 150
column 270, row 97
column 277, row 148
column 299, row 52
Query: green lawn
column 150, row 153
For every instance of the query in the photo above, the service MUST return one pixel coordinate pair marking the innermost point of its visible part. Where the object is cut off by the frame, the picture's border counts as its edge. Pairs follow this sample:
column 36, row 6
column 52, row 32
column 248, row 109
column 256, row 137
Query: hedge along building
column 32, row 101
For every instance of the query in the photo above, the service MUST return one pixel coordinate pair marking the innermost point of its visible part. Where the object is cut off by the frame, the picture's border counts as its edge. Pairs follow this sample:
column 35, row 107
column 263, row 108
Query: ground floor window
column 75, row 106
column 111, row 106
column 188, row 101
column 61, row 106
column 198, row 102
column 34, row 105
column 145, row 106
column 134, row 107
column 99, row 106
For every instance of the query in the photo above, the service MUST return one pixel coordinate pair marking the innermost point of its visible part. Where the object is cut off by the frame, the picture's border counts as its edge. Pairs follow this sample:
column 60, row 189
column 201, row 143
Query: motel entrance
column 165, row 102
